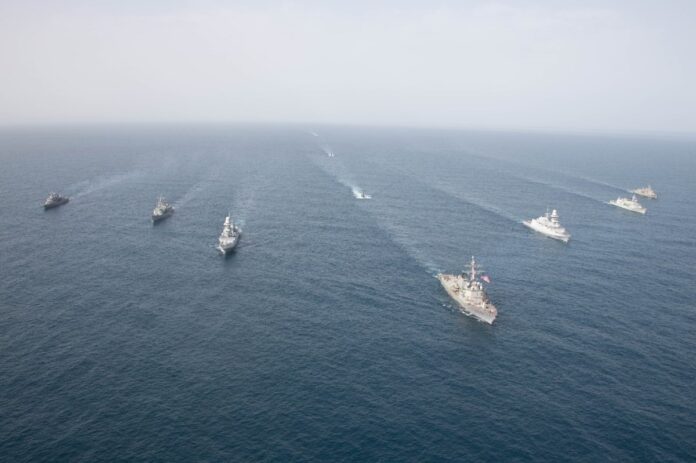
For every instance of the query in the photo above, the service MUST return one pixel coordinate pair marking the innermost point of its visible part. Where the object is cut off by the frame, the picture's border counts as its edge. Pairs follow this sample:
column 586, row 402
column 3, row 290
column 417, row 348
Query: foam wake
column 192, row 193
column 101, row 183
column 412, row 246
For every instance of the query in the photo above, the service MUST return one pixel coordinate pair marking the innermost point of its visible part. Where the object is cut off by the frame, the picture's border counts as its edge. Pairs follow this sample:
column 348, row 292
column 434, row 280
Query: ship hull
column 228, row 247
column 644, row 194
column 56, row 204
column 637, row 211
column 555, row 236
column 159, row 218
column 476, row 311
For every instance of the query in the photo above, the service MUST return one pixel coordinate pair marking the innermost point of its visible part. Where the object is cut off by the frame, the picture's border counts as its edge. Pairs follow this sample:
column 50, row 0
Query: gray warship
column 468, row 291
column 162, row 210
column 360, row 194
column 229, row 237
column 646, row 192
column 629, row 204
column 549, row 225
column 55, row 200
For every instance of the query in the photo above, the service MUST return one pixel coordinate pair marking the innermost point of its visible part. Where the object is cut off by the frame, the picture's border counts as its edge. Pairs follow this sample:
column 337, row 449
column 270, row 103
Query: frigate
column 468, row 291
column 162, row 210
column 55, row 200
column 629, row 204
column 646, row 192
column 549, row 225
column 229, row 237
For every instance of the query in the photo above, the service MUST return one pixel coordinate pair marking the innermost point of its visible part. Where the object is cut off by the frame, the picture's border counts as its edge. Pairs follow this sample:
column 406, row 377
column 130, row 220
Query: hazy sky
column 567, row 65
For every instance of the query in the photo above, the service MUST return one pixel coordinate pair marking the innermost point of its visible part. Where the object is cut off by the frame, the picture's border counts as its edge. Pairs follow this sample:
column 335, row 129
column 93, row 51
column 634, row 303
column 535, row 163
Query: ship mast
column 472, row 273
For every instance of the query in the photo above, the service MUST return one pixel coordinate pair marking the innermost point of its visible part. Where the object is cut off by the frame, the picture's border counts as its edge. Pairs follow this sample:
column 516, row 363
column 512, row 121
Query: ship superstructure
column 646, row 192
column 631, row 204
column 549, row 225
column 468, row 291
column 162, row 210
column 55, row 200
column 229, row 237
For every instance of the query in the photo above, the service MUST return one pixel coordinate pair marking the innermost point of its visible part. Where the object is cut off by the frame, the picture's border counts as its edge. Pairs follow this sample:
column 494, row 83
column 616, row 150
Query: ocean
column 325, row 336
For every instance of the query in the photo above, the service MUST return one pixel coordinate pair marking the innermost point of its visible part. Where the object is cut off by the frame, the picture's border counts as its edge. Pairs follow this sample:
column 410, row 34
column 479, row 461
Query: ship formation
column 162, row 210
column 229, row 237
column 468, row 291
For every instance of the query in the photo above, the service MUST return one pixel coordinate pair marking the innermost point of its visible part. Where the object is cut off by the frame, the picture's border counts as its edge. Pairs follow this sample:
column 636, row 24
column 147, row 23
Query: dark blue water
column 325, row 337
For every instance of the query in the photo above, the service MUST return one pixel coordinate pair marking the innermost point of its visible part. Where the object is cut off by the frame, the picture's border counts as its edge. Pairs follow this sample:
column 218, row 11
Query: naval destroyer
column 549, row 225
column 629, row 204
column 229, row 237
column 162, row 210
column 468, row 291
column 55, row 200
column 646, row 192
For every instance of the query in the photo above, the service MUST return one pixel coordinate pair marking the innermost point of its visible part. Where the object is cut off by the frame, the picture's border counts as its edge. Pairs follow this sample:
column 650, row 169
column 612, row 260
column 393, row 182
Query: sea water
column 325, row 337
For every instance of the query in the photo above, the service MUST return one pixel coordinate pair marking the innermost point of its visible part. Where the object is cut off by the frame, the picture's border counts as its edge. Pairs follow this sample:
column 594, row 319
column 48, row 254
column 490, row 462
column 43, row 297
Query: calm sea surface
column 325, row 336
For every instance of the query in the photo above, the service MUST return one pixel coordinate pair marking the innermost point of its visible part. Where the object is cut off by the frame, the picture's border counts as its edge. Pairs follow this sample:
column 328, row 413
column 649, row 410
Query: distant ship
column 469, row 293
column 647, row 192
column 629, row 204
column 55, row 200
column 162, row 210
column 548, row 225
column 359, row 194
column 229, row 237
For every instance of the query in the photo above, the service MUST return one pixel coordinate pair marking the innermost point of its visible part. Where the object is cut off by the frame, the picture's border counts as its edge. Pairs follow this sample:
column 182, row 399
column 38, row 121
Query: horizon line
column 315, row 124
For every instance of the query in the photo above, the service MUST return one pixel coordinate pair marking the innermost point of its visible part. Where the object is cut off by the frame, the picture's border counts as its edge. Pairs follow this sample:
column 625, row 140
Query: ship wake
column 101, row 183
column 336, row 169
column 410, row 245
column 194, row 191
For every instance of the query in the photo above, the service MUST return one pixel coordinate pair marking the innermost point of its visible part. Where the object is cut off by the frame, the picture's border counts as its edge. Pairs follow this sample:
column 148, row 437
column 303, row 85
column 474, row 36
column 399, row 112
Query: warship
column 646, row 192
column 229, row 237
column 468, row 291
column 162, row 210
column 55, row 200
column 359, row 194
column 548, row 225
column 629, row 204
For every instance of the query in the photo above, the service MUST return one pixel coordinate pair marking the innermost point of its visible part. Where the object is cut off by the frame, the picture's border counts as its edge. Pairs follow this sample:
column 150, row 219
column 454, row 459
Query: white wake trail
column 101, row 183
